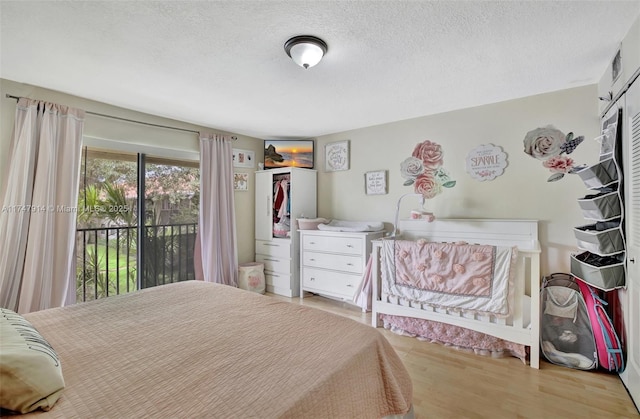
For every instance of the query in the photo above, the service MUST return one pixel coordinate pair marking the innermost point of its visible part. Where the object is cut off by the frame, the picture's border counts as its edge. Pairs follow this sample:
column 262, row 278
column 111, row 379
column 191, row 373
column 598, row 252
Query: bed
column 399, row 303
column 196, row 349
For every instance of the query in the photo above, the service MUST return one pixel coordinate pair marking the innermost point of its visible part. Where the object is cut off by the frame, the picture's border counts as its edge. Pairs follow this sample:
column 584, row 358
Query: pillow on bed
column 30, row 372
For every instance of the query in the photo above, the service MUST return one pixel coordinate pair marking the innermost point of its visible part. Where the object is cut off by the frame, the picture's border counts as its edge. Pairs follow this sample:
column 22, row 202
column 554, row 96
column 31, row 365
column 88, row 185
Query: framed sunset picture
column 288, row 153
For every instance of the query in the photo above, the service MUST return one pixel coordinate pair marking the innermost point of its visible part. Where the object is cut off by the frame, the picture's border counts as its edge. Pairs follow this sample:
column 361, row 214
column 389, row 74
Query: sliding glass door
column 137, row 221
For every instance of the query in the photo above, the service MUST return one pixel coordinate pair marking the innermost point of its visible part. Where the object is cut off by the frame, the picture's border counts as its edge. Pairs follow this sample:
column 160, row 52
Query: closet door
column 264, row 204
column 631, row 296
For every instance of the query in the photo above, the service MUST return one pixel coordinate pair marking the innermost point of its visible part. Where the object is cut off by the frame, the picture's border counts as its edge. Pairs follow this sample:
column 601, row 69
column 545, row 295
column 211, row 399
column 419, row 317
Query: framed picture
column 288, row 153
column 336, row 156
column 241, row 181
column 375, row 183
column 244, row 158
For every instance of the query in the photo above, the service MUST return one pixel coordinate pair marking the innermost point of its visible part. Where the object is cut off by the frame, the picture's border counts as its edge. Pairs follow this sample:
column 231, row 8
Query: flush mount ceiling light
column 305, row 50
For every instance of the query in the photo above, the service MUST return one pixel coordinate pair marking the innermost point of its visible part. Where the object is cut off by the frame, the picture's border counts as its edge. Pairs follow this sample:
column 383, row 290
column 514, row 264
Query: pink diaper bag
column 610, row 354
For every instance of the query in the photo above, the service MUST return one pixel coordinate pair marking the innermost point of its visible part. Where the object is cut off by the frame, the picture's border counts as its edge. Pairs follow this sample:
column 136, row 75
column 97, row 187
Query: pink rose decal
column 559, row 164
column 459, row 269
column 424, row 171
column 430, row 153
column 427, row 186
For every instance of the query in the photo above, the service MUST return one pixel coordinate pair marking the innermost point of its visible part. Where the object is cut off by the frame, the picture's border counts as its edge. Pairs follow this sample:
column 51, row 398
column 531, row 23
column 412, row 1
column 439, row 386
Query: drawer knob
column 349, row 245
column 312, row 260
column 312, row 279
column 349, row 264
column 349, row 285
column 312, row 242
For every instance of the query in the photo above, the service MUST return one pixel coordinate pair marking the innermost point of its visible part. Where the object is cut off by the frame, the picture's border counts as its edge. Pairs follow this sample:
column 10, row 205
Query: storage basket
column 603, row 272
column 600, row 174
column 603, row 238
column 603, row 206
column 251, row 277
column 310, row 223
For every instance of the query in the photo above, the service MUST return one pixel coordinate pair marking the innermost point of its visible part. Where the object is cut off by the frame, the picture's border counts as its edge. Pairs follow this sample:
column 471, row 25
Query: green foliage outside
column 107, row 200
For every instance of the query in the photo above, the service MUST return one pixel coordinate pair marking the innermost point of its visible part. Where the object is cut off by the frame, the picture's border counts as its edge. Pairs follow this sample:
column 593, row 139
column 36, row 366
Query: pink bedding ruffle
column 455, row 336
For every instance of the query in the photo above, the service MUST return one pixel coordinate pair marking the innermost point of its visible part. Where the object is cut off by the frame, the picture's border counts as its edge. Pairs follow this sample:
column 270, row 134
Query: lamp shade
column 306, row 51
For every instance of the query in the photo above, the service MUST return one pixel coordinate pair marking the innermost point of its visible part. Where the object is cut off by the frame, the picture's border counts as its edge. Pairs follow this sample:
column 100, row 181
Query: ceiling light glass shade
column 306, row 51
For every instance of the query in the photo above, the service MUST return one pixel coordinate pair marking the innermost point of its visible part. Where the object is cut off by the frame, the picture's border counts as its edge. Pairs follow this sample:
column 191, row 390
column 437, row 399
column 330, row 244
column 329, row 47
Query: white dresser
column 333, row 263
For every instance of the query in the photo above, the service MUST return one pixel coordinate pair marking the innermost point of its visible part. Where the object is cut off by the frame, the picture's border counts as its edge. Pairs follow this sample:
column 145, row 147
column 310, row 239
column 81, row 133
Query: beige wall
column 521, row 192
column 164, row 142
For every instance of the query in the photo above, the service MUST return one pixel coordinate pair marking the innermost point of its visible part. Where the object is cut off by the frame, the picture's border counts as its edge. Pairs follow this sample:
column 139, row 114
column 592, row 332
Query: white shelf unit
column 280, row 255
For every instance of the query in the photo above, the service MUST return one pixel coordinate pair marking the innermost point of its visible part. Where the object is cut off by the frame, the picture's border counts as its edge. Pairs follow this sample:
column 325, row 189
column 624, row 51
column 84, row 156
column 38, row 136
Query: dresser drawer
column 275, row 264
column 331, row 283
column 345, row 263
column 280, row 247
column 346, row 245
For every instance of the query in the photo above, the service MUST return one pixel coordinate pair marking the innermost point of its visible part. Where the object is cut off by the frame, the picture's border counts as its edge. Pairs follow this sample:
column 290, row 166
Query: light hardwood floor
column 449, row 383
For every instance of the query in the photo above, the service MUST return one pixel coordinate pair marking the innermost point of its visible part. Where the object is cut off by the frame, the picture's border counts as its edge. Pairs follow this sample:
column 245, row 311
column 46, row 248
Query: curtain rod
column 233, row 137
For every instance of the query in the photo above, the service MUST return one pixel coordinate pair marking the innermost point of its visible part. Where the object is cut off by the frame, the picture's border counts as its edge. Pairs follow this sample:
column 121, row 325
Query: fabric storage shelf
column 603, row 206
column 599, row 175
column 603, row 272
column 602, row 238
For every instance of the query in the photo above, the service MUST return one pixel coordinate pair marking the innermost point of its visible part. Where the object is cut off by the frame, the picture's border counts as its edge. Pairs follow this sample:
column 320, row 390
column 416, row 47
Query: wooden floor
column 448, row 383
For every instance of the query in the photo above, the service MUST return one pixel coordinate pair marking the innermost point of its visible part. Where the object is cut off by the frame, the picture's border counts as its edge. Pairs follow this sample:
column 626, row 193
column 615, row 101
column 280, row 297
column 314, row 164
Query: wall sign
column 376, row 182
column 336, row 156
column 486, row 162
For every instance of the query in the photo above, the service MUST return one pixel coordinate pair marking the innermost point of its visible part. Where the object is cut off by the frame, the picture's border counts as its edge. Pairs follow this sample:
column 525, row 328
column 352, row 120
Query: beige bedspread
column 195, row 349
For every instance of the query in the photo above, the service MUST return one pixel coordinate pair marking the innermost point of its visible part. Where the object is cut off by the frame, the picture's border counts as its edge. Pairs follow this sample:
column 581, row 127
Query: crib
column 521, row 325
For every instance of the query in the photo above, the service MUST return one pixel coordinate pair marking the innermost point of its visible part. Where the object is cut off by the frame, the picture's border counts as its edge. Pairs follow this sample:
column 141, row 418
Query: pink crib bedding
column 457, row 276
column 455, row 336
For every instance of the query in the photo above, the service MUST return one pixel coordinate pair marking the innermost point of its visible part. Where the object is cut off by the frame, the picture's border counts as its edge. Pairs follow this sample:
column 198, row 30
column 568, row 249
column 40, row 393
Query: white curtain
column 216, row 255
column 39, row 198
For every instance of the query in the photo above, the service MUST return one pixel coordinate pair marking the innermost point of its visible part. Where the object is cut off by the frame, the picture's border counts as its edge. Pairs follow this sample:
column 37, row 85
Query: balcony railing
column 106, row 258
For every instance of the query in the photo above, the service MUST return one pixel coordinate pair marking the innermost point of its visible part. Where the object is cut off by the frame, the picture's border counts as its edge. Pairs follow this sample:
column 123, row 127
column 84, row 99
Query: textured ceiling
column 222, row 65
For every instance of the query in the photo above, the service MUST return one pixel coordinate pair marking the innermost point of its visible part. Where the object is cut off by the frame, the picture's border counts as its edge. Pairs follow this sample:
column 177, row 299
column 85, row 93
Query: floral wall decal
column 548, row 144
column 424, row 170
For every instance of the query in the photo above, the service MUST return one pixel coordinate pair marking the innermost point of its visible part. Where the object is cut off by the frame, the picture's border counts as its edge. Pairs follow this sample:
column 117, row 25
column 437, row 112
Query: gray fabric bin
column 600, row 174
column 607, row 276
column 602, row 238
column 601, row 207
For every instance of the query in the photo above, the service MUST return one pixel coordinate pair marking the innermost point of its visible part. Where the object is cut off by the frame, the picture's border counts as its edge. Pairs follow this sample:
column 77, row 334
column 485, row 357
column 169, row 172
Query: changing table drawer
column 333, row 244
column 346, row 263
column 335, row 284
